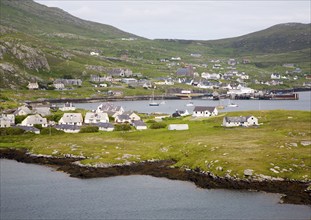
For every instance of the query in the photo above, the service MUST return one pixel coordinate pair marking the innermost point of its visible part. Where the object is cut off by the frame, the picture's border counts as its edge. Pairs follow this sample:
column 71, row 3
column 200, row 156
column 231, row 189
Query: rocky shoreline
column 294, row 192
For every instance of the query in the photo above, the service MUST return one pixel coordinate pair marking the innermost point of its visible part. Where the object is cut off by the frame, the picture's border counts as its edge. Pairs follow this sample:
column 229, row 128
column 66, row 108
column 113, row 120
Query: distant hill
column 33, row 18
column 276, row 39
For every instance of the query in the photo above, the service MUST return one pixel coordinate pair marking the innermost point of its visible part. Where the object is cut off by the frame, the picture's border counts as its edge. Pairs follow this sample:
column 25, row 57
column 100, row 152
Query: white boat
column 232, row 105
column 152, row 102
column 189, row 104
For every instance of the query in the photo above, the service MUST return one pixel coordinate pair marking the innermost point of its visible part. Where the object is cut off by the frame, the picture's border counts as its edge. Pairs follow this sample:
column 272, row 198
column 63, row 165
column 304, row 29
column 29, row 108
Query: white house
column 139, row 125
column 111, row 109
column 122, row 119
column 32, row 120
column 41, row 110
column 96, row 117
column 178, row 127
column 68, row 107
column 240, row 121
column 59, row 85
column 105, row 126
column 204, row 111
column 68, row 128
column 275, row 76
column 133, row 116
column 23, row 110
column 71, row 119
column 33, row 86
column 7, row 120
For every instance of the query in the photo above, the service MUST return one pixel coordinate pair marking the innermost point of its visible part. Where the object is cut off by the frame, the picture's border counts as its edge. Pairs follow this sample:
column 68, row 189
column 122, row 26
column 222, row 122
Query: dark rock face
column 295, row 191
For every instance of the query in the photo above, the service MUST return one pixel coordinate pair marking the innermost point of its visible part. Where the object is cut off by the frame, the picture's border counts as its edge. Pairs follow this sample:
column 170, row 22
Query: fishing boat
column 189, row 104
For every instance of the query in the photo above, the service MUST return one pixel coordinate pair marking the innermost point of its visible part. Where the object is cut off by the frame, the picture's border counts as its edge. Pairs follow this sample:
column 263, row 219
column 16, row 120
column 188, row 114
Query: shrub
column 158, row 125
column 122, row 127
column 38, row 126
column 19, row 118
column 151, row 121
column 11, row 131
column 89, row 129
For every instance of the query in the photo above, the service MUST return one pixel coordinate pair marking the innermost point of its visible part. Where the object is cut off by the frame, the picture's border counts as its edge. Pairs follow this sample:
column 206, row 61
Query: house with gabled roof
column 32, row 120
column 71, row 119
column 41, row 110
column 23, row 110
column 7, row 120
column 204, row 111
column 139, row 125
column 240, row 121
column 122, row 119
column 68, row 107
column 33, row 85
column 67, row 128
column 105, row 126
column 96, row 117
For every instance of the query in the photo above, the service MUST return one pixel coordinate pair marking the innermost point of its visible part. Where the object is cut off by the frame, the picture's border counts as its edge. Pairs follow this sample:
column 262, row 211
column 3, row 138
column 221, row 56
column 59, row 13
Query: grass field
column 275, row 144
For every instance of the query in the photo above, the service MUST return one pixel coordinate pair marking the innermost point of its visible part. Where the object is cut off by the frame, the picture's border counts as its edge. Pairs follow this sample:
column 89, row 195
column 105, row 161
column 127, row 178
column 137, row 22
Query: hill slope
column 33, row 18
column 276, row 39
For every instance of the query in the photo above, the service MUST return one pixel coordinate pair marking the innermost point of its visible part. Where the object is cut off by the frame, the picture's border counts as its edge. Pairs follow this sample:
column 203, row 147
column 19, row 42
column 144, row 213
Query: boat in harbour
column 190, row 104
column 232, row 105
column 152, row 102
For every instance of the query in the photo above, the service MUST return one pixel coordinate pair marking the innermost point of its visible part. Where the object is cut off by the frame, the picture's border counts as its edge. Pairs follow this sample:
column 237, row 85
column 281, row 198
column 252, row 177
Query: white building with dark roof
column 7, row 120
column 139, row 125
column 96, row 117
column 71, row 119
column 240, row 121
column 204, row 111
column 32, row 120
column 23, row 110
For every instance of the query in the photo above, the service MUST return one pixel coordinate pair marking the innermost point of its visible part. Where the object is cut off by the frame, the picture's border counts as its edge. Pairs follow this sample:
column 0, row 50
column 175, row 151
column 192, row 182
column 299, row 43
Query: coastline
column 293, row 192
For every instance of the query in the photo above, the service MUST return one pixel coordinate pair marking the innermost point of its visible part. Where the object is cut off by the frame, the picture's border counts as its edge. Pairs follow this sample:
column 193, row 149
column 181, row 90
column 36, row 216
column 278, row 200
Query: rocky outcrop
column 295, row 192
column 32, row 58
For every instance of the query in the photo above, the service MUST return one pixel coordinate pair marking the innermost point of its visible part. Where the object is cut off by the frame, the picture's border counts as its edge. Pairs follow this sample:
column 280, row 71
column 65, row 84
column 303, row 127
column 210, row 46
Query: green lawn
column 206, row 145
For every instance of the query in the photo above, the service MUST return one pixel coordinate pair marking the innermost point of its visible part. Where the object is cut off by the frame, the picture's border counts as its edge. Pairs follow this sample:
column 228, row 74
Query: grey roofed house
column 42, row 110
column 71, row 119
column 23, row 110
column 29, row 129
column 105, row 126
column 68, row 128
column 240, row 121
column 34, row 120
column 203, row 108
column 139, row 125
column 122, row 118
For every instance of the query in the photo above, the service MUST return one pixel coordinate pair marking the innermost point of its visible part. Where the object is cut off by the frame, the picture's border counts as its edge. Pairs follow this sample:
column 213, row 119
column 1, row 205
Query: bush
column 89, row 129
column 11, row 131
column 122, row 127
column 151, row 121
column 38, row 126
column 19, row 118
column 52, row 130
column 158, row 125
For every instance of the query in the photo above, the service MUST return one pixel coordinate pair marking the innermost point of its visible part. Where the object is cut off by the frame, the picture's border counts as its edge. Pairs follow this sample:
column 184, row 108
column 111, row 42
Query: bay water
column 31, row 191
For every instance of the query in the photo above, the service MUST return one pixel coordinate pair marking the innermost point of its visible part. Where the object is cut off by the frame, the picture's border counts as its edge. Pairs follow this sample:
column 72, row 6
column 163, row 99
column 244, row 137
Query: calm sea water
column 37, row 192
column 304, row 103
